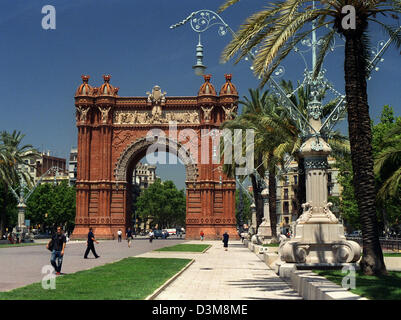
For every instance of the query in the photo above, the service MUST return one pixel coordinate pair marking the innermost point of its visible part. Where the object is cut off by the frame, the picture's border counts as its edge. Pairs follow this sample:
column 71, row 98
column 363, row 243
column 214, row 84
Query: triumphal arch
column 115, row 133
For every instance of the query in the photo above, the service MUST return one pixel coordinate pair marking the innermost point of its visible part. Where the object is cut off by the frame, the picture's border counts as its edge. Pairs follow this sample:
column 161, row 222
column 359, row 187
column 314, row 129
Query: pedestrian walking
column 119, row 234
column 129, row 237
column 225, row 240
column 151, row 236
column 57, row 245
column 90, row 244
column 202, row 235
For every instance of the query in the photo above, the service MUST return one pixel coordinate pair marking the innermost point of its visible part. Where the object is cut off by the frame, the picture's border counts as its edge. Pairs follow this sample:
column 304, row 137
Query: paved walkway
column 236, row 274
column 20, row 266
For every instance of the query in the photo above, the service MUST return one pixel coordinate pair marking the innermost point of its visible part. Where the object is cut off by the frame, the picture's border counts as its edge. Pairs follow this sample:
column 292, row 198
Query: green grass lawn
column 127, row 279
column 391, row 254
column 8, row 245
column 186, row 248
column 372, row 287
column 271, row 245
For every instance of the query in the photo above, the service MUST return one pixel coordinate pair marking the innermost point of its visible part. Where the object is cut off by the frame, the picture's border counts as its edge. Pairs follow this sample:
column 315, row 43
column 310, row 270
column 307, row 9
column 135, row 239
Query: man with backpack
column 57, row 245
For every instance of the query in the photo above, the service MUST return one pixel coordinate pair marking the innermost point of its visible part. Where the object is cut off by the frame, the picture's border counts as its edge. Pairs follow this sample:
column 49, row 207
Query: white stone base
column 319, row 244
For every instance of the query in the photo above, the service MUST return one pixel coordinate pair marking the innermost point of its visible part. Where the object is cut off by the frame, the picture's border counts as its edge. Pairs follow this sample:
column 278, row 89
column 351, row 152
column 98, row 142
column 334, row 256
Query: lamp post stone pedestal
column 319, row 237
column 264, row 230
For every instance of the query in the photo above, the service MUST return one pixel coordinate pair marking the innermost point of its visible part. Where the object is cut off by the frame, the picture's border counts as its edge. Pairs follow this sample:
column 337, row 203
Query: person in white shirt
column 151, row 235
column 119, row 233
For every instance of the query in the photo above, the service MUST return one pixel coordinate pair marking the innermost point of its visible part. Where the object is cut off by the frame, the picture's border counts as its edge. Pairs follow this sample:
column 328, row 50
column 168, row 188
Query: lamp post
column 22, row 198
column 201, row 21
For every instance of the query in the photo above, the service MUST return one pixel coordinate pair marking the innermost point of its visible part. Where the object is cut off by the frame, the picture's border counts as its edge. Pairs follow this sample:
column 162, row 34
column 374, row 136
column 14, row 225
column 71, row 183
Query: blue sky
column 132, row 41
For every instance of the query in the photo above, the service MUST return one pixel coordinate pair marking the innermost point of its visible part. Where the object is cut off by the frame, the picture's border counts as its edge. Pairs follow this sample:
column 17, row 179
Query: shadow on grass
column 372, row 287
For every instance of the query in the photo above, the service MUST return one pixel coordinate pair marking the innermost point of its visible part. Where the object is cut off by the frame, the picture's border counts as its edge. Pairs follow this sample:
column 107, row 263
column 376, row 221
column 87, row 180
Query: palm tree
column 11, row 155
column 278, row 28
column 270, row 125
column 388, row 165
column 276, row 137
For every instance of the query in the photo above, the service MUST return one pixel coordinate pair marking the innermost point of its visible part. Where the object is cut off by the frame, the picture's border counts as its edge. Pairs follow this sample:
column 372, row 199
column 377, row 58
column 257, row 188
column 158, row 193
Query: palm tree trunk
column 258, row 200
column 3, row 216
column 272, row 201
column 360, row 136
column 2, row 223
column 301, row 194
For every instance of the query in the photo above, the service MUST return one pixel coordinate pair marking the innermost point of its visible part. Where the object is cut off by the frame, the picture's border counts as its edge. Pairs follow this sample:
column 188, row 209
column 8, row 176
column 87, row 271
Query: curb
column 308, row 284
column 311, row 286
column 155, row 293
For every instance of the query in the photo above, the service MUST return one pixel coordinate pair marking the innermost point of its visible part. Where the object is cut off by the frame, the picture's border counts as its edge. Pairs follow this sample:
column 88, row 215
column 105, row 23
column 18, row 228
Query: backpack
column 51, row 245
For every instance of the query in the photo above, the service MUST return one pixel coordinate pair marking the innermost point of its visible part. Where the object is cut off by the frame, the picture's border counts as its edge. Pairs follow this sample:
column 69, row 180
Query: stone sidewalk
column 236, row 274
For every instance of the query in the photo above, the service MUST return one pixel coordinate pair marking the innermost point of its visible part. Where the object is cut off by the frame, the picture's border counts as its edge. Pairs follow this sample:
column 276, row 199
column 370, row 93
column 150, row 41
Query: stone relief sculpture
column 207, row 113
column 105, row 113
column 328, row 213
column 144, row 117
column 82, row 113
column 157, row 98
column 229, row 112
column 170, row 117
column 307, row 213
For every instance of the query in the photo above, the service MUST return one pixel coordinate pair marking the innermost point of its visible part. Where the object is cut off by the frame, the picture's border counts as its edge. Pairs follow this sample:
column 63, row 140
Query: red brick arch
column 112, row 133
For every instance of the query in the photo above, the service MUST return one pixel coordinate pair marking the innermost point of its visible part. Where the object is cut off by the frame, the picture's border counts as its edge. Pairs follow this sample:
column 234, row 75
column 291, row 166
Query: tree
column 388, row 207
column 388, row 160
column 348, row 204
column 8, row 206
column 262, row 114
column 246, row 208
column 387, row 151
column 11, row 155
column 163, row 203
column 277, row 28
column 52, row 205
column 276, row 137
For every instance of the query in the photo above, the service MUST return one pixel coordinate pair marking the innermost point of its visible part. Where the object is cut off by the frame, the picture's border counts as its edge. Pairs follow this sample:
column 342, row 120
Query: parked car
column 159, row 234
column 166, row 233
column 42, row 236
column 172, row 231
column 355, row 233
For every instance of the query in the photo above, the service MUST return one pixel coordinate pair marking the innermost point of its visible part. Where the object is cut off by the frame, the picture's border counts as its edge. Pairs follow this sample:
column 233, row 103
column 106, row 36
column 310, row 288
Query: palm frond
column 390, row 187
column 226, row 5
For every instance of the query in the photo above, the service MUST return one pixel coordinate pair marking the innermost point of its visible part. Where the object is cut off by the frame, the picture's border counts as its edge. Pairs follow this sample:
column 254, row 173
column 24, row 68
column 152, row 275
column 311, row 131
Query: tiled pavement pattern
column 236, row 274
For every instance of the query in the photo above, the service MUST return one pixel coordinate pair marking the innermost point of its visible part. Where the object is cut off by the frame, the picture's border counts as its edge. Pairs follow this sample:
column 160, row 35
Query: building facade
column 144, row 175
column 72, row 166
column 37, row 165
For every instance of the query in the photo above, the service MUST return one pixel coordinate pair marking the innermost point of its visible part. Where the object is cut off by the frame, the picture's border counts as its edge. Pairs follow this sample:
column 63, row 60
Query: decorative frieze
column 137, row 117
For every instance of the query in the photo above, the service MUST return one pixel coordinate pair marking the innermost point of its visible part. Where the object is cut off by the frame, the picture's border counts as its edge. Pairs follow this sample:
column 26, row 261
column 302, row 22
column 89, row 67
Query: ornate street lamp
column 201, row 21
column 22, row 198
